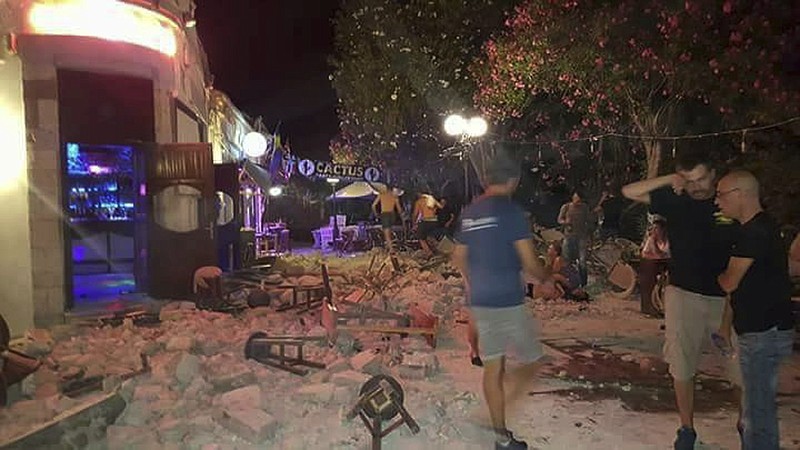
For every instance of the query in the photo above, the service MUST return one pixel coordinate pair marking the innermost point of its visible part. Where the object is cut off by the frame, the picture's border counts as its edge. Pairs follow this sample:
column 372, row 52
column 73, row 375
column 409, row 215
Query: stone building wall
column 180, row 79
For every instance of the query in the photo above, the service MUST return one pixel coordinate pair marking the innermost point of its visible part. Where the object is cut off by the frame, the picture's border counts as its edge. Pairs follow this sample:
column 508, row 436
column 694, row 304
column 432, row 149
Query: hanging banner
column 326, row 169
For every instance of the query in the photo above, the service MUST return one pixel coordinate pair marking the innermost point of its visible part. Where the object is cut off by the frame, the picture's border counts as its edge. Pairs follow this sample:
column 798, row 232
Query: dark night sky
column 271, row 58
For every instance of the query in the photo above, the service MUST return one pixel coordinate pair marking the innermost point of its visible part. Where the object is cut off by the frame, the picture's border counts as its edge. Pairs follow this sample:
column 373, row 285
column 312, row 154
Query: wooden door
column 181, row 217
column 229, row 222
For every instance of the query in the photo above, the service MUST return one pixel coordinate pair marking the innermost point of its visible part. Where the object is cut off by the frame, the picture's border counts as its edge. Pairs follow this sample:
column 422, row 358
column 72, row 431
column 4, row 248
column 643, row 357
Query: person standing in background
column 575, row 217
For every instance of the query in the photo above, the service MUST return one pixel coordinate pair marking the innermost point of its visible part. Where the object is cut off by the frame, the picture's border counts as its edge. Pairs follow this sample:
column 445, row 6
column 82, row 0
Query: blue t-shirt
column 489, row 227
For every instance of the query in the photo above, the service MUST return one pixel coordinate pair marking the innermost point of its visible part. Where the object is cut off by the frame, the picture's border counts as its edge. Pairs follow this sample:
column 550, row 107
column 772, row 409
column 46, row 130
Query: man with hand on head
column 493, row 246
column 700, row 243
column 760, row 309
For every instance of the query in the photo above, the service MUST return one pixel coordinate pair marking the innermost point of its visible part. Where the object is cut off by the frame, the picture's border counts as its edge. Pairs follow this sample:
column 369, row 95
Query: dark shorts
column 426, row 228
column 387, row 220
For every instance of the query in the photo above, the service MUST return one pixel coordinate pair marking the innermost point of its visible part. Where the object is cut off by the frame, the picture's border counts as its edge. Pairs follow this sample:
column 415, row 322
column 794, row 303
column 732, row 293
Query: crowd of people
column 729, row 277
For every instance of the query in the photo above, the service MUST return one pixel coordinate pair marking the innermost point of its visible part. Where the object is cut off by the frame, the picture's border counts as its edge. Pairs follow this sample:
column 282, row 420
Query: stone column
column 45, row 175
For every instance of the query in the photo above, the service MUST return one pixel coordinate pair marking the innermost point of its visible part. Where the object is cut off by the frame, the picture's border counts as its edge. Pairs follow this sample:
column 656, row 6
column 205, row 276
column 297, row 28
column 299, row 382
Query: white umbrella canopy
column 360, row 189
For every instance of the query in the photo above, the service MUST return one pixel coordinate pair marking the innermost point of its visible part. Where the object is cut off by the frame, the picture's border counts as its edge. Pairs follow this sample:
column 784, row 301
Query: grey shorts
column 501, row 329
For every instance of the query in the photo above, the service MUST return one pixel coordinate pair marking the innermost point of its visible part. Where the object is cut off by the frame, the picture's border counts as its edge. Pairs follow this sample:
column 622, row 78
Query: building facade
column 93, row 73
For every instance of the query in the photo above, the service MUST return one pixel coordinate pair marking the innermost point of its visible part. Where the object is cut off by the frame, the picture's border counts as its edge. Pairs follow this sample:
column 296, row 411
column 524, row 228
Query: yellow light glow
column 111, row 20
column 13, row 170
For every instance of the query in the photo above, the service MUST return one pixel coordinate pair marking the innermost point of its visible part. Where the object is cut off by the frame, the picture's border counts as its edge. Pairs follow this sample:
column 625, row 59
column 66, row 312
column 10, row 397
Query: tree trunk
column 652, row 150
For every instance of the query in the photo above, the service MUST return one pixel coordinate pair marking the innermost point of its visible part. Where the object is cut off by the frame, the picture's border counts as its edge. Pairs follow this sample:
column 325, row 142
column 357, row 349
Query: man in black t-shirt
column 700, row 242
column 757, row 280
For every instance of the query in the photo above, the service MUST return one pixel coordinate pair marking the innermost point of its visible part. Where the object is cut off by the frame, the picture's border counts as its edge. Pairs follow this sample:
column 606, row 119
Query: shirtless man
column 389, row 204
column 425, row 220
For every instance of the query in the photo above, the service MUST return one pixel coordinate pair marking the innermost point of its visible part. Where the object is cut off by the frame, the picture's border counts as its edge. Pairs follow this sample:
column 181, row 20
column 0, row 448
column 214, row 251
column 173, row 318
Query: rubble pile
column 199, row 388
column 195, row 389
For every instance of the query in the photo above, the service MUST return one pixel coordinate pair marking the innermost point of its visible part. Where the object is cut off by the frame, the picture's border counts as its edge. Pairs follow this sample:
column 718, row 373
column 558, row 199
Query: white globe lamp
column 255, row 144
column 477, row 127
column 455, row 125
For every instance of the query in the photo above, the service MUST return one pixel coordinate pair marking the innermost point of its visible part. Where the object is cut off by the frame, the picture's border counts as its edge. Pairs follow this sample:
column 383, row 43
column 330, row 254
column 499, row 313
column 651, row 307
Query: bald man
column 760, row 309
column 700, row 245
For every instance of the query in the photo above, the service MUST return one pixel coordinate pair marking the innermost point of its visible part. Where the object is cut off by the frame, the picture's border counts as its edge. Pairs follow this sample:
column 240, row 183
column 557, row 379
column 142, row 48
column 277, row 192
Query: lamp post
column 466, row 130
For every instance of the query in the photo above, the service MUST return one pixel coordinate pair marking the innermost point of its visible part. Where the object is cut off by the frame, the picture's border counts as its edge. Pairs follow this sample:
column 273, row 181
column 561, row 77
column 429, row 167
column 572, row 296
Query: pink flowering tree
column 642, row 67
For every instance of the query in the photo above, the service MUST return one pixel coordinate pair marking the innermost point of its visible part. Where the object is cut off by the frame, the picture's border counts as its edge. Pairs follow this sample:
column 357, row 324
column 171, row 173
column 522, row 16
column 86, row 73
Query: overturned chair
column 334, row 319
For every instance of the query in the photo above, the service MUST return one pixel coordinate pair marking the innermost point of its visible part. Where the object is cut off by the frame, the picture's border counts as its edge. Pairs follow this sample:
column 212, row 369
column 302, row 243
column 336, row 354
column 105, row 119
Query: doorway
column 101, row 190
column 100, row 115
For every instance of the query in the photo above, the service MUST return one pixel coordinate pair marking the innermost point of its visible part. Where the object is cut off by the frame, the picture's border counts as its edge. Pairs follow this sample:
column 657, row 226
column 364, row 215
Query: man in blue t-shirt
column 493, row 247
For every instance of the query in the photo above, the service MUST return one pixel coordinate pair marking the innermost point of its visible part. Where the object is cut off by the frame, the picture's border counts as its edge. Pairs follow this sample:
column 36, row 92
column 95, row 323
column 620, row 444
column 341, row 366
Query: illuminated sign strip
column 111, row 20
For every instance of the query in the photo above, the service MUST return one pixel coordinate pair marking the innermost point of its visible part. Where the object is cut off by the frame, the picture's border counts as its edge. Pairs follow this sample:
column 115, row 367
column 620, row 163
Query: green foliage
column 401, row 66
column 774, row 159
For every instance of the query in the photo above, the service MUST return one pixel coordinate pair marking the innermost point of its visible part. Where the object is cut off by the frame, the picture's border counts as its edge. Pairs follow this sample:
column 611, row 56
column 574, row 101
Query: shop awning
column 360, row 189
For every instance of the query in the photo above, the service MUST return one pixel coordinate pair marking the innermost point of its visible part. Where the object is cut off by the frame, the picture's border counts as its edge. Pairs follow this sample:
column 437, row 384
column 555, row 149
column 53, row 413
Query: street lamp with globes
column 466, row 130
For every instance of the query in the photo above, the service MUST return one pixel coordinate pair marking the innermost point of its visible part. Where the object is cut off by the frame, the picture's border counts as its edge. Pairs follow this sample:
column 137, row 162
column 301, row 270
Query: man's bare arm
column 729, row 279
column 562, row 215
column 639, row 191
column 530, row 262
column 375, row 204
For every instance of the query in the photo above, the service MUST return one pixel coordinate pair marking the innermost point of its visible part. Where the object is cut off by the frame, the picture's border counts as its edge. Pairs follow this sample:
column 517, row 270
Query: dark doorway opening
column 100, row 117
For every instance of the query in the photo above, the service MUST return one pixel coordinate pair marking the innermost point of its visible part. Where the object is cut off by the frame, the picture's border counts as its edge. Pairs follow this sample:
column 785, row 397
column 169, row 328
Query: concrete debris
column 201, row 393
column 418, row 366
column 369, row 362
column 253, row 425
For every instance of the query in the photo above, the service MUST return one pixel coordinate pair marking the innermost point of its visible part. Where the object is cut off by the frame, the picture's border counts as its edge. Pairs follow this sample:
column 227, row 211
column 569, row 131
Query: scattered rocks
column 349, row 378
column 369, row 362
column 418, row 365
column 253, row 425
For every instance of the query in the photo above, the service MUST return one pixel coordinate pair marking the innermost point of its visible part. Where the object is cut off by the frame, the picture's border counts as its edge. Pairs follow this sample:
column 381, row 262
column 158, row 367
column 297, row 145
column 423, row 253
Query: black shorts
column 426, row 229
column 387, row 220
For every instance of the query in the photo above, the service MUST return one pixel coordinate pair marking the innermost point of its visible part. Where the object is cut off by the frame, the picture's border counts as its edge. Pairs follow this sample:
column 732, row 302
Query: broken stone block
column 367, row 362
column 343, row 395
column 188, row 369
column 253, row 425
column 151, row 348
column 209, row 347
column 320, row 392
column 418, row 365
column 226, row 378
column 126, row 437
column 171, row 429
column 248, row 397
column 321, row 376
column 180, row 344
column 148, row 392
column 339, row 365
column 137, row 414
column 349, row 378
column 163, row 365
